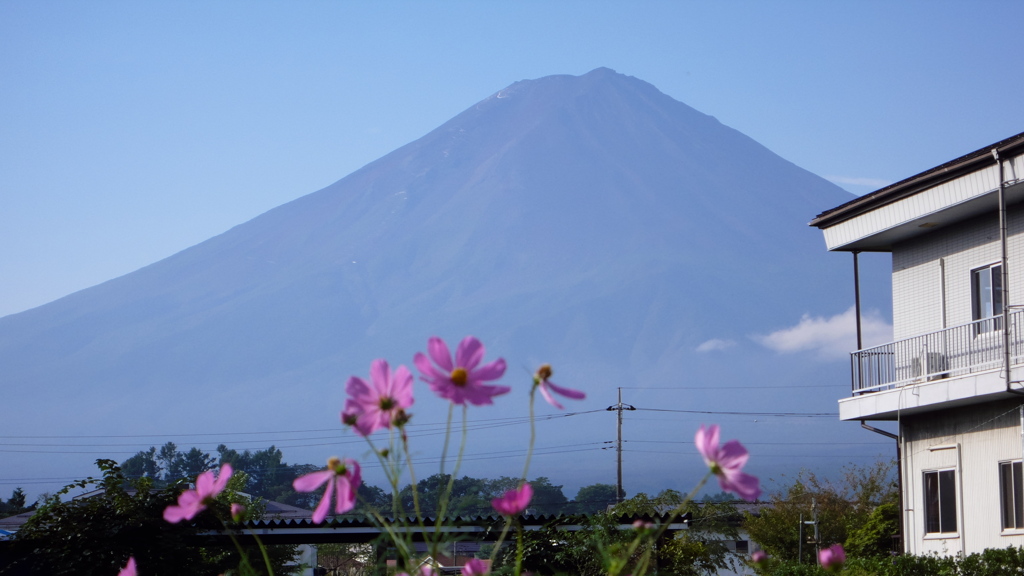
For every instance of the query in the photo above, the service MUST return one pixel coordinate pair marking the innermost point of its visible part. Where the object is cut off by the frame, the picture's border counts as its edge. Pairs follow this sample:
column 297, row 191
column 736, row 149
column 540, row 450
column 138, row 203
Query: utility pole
column 618, row 446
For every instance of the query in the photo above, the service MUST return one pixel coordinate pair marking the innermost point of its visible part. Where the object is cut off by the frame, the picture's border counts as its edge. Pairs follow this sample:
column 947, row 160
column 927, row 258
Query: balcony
column 951, row 367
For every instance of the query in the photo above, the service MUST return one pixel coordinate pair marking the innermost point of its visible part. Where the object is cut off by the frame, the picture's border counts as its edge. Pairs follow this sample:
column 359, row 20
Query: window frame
column 987, row 280
column 1015, row 504
column 943, row 508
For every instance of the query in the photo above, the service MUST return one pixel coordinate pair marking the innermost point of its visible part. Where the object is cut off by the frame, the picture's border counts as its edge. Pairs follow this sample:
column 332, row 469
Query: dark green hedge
column 991, row 562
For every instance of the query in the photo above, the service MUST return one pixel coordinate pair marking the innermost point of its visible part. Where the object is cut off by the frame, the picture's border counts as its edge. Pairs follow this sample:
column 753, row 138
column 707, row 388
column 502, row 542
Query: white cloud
column 831, row 338
column 715, row 344
column 857, row 181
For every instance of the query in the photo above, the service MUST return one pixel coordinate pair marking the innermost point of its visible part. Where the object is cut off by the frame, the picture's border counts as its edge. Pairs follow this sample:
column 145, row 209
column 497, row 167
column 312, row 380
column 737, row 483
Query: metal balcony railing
column 948, row 353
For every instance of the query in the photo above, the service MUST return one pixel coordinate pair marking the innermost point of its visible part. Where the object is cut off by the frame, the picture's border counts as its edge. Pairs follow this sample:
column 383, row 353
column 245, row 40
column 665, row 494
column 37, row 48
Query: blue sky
column 134, row 130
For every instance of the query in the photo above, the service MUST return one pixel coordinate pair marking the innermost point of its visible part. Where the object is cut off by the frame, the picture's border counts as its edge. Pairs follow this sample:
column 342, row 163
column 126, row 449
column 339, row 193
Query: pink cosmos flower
column 129, row 568
column 540, row 379
column 726, row 462
column 833, row 557
column 237, row 510
column 758, row 558
column 341, row 477
column 192, row 502
column 475, row 567
column 514, row 501
column 463, row 380
column 376, row 405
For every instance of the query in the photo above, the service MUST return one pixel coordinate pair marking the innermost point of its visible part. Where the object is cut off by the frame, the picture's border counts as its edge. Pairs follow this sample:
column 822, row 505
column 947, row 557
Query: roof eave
column 910, row 186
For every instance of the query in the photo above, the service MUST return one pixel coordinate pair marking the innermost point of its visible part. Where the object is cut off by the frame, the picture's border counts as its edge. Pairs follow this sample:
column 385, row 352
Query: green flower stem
column 501, row 539
column 519, row 551
column 241, row 552
column 390, row 471
column 533, row 434
column 263, row 550
column 435, row 539
column 446, row 496
column 412, row 478
column 447, row 435
column 391, row 467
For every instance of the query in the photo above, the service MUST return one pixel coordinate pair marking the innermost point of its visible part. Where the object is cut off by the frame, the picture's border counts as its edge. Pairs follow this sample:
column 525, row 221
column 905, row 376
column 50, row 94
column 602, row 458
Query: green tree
column 143, row 464
column 842, row 505
column 469, row 496
column 17, row 499
column 191, row 464
column 14, row 505
column 166, row 457
column 548, row 499
column 594, row 498
column 875, row 537
column 372, row 499
column 697, row 551
column 97, row 534
column 702, row 548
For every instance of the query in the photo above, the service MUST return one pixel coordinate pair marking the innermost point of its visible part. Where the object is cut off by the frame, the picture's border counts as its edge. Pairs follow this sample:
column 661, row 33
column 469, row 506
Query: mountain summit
column 588, row 221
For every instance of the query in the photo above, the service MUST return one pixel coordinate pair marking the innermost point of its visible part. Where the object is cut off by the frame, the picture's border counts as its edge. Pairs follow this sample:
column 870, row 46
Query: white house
column 953, row 381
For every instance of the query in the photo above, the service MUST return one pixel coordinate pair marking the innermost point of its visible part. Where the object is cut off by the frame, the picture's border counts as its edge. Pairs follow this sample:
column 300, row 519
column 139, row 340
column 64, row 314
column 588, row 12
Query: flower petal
column 325, row 502
column 189, row 504
column 347, row 485
column 380, row 377
column 312, row 481
column 401, row 389
column 706, row 441
column 204, row 484
column 357, row 388
column 567, row 392
column 469, row 353
column 439, row 353
column 475, row 567
column 547, row 396
column 491, row 371
column 479, row 395
column 222, row 479
column 514, row 501
column 732, row 456
column 129, row 568
column 742, row 484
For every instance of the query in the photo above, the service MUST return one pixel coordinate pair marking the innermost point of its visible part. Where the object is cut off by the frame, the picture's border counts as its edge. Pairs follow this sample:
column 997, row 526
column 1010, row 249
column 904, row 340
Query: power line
column 735, row 413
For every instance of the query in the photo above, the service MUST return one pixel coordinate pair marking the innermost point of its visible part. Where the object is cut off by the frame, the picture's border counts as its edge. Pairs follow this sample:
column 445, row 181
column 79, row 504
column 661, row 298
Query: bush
column 992, row 562
column 96, row 535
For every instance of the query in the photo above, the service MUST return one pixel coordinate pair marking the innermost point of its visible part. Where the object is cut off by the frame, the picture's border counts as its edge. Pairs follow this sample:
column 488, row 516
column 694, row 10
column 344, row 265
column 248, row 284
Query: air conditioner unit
column 930, row 365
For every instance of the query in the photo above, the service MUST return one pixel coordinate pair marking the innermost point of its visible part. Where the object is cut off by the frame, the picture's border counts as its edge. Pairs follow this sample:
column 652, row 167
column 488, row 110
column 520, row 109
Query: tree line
column 270, row 478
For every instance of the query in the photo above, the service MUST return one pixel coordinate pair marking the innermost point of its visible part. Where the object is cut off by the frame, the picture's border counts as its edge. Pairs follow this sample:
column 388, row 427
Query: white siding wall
column 980, row 438
column 917, row 279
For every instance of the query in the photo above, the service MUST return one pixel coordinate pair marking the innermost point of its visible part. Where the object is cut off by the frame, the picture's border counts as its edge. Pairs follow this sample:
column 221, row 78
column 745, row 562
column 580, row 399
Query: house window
column 940, row 501
column 987, row 297
column 742, row 546
column 1012, row 495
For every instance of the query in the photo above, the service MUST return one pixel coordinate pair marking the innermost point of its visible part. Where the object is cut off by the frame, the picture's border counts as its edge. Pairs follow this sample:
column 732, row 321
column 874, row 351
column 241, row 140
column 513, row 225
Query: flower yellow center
column 335, row 463
column 459, row 376
column 716, row 469
column 544, row 372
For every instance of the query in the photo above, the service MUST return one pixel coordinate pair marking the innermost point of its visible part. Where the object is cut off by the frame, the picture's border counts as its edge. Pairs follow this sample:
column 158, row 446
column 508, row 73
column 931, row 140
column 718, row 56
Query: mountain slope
column 591, row 221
